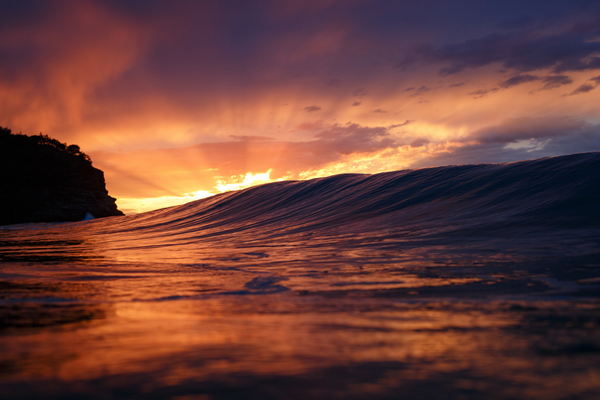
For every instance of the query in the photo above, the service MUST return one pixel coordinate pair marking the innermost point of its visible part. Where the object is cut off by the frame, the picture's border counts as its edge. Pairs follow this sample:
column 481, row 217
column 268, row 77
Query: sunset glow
column 171, row 101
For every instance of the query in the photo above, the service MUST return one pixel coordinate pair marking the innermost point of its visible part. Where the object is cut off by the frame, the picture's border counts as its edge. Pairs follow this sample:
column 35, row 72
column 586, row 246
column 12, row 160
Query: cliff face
column 43, row 180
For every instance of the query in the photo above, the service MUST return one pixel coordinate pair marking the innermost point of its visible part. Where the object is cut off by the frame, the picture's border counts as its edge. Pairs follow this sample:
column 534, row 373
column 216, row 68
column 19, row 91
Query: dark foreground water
column 466, row 282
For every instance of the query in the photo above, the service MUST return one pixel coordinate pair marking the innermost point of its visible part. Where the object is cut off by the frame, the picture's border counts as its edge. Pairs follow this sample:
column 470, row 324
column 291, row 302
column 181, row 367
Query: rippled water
column 466, row 282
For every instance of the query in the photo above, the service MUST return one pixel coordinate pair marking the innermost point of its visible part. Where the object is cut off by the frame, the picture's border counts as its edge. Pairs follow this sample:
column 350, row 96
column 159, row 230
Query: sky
column 177, row 100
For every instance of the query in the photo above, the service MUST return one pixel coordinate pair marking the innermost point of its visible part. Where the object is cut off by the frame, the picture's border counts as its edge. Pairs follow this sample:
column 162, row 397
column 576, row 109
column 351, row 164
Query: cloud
column 550, row 81
column 513, row 130
column 482, row 92
column 353, row 130
column 353, row 138
column 177, row 171
column 586, row 87
column 419, row 142
column 312, row 108
column 108, row 74
column 519, row 140
column 554, row 81
column 517, row 80
column 402, row 124
column 379, row 111
column 575, row 49
column 420, row 91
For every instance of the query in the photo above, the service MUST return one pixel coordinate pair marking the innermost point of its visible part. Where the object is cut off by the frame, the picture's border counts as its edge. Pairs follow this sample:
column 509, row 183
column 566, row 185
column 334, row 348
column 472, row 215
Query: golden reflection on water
column 108, row 324
column 177, row 342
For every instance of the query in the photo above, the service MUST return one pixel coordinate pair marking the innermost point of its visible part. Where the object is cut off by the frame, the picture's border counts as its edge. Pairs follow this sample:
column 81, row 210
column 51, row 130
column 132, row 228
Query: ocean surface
column 456, row 282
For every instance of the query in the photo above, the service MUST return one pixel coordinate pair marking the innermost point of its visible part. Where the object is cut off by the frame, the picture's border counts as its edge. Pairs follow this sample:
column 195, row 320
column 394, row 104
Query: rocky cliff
column 44, row 180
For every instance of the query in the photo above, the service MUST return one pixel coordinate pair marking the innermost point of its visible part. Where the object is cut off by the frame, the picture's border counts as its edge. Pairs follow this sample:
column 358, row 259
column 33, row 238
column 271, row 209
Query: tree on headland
column 7, row 138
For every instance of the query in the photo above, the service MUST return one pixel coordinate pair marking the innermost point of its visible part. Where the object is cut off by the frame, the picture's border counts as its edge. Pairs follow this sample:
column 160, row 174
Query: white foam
column 88, row 216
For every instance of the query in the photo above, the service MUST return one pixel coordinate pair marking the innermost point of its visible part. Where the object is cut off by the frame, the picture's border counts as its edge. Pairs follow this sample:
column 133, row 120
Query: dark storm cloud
column 574, row 49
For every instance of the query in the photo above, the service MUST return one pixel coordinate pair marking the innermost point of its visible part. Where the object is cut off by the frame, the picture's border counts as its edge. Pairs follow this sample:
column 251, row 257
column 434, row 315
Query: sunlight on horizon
column 131, row 206
column 249, row 180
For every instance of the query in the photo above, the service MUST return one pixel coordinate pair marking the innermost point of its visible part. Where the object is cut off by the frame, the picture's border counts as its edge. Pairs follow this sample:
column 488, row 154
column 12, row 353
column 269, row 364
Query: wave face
column 549, row 193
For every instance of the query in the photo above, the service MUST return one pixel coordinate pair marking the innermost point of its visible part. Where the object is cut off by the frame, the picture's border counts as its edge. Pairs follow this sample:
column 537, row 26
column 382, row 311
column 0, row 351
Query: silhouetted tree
column 7, row 138
column 4, row 132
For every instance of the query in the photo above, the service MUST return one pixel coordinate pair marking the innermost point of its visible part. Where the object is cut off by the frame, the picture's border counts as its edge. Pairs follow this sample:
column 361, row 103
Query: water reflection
column 45, row 245
column 224, row 346
column 36, row 315
column 110, row 317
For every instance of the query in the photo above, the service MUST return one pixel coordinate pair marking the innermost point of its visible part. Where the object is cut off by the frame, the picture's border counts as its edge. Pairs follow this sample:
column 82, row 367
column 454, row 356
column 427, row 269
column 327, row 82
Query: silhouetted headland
column 44, row 180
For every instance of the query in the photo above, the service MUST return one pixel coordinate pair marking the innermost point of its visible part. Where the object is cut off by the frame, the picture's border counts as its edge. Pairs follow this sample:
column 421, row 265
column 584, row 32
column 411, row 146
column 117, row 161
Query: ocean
column 455, row 282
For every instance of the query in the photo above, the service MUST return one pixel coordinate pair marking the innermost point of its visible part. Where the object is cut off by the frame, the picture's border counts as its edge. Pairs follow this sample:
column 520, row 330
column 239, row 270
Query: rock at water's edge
column 43, row 180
